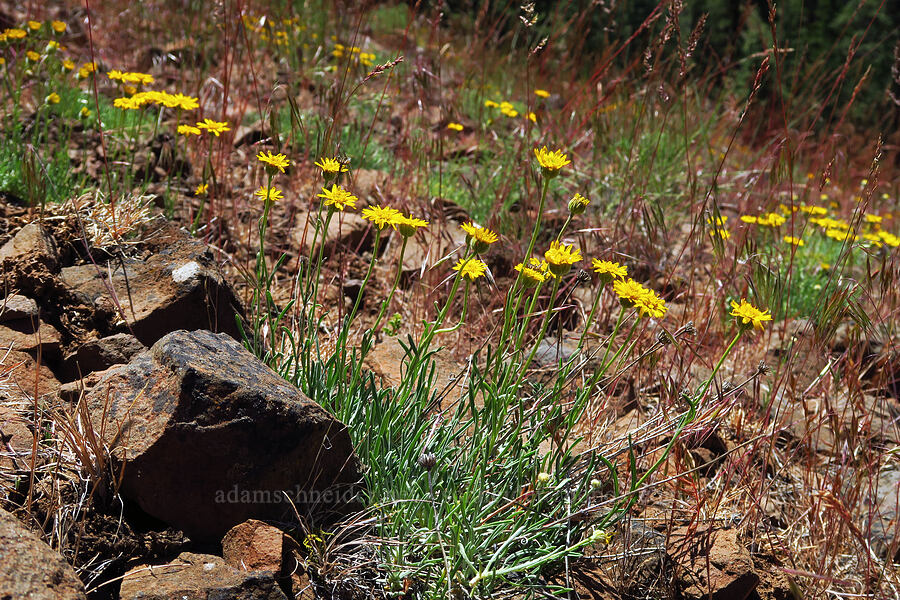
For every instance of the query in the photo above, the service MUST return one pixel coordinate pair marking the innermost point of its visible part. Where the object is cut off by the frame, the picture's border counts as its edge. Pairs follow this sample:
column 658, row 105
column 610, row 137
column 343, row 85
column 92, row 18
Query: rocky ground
column 168, row 462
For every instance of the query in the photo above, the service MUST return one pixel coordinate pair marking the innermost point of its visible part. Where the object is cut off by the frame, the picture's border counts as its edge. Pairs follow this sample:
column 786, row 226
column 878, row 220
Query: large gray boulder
column 29, row 568
column 210, row 437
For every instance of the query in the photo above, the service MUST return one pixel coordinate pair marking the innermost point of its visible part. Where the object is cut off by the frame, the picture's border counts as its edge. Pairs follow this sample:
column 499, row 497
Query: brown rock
column 32, row 245
column 712, row 564
column 15, row 307
column 15, row 434
column 98, row 355
column 72, row 390
column 254, row 546
column 211, row 437
column 29, row 568
column 26, row 377
column 179, row 287
column 198, row 577
column 29, row 335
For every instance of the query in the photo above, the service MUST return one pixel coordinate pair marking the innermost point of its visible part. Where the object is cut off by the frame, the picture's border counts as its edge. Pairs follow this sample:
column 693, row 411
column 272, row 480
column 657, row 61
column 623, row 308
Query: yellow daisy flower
column 201, row 190
column 541, row 93
column 629, row 291
column 561, row 257
column 188, row 130
column 609, row 270
column 537, row 271
column 338, row 197
column 651, row 305
column 382, row 216
column 478, row 236
column 331, row 167
column 551, row 162
column 794, row 241
column 409, row 225
column 126, row 103
column 748, row 315
column 455, row 126
column 273, row 162
column 58, row 26
column 269, row 194
column 472, row 268
column 138, row 78
column 214, row 127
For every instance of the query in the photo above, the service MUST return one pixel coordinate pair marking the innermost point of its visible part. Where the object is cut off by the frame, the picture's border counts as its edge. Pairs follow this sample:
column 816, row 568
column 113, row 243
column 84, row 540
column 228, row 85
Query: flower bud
column 578, row 204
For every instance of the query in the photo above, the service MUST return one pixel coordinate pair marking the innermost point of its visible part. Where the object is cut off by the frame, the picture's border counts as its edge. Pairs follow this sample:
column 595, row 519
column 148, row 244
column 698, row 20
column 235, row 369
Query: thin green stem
column 544, row 325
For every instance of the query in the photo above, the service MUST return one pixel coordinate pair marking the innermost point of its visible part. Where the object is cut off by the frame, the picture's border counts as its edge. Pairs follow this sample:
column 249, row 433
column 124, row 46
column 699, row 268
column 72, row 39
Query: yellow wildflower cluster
column 506, row 108
column 130, row 77
column 366, row 59
column 385, row 216
column 272, row 30
column 633, row 294
column 537, row 271
column 166, row 99
column 86, row 69
column 13, row 33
